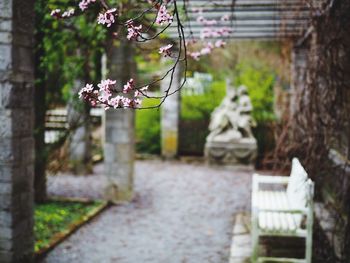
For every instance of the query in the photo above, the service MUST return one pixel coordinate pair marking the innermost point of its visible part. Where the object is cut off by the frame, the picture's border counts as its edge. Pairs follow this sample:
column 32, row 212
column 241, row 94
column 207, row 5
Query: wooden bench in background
column 56, row 122
column 286, row 212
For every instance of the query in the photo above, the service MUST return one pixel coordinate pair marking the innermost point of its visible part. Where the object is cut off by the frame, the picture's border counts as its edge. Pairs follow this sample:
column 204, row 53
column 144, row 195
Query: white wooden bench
column 285, row 212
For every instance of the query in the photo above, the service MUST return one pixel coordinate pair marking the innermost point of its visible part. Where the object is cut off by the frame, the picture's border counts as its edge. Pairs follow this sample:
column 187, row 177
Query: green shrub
column 200, row 107
column 259, row 80
column 148, row 128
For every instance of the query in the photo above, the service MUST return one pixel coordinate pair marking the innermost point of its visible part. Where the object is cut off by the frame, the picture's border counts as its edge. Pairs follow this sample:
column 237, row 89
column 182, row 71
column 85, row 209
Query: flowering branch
column 130, row 96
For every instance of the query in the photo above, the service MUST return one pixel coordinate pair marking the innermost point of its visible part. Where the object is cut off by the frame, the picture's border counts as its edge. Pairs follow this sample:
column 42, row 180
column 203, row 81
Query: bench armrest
column 268, row 179
column 290, row 211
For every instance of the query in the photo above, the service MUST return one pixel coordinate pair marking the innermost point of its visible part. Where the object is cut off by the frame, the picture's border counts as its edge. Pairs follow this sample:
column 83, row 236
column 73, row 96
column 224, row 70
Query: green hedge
column 259, row 80
column 200, row 107
column 148, row 128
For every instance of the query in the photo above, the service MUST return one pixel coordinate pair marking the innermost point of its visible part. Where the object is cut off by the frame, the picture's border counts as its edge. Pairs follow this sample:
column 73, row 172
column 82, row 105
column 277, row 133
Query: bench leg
column 255, row 238
column 309, row 229
column 308, row 247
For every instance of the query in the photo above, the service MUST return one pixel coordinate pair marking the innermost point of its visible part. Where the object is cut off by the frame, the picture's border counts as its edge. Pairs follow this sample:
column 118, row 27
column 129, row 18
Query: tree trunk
column 40, row 110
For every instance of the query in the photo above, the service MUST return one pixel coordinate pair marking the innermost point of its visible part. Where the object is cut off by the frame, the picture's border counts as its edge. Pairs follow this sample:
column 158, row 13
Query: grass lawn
column 55, row 219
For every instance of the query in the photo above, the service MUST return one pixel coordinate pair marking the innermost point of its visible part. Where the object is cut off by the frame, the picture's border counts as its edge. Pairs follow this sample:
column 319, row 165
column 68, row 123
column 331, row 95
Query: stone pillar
column 119, row 145
column 78, row 117
column 16, row 130
column 170, row 115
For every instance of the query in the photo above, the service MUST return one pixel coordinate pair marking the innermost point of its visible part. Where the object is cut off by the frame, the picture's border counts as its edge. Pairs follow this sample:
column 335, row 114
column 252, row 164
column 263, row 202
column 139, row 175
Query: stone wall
column 16, row 130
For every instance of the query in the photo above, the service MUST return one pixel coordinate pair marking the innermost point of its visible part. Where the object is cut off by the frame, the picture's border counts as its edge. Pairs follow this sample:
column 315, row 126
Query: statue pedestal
column 242, row 151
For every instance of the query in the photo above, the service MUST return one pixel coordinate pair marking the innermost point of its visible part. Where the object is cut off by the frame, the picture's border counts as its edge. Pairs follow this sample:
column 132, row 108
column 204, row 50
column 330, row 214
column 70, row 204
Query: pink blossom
column 225, row 31
column 68, row 13
column 125, row 102
column 141, row 91
column 56, row 13
column 200, row 19
column 105, row 85
column 166, row 50
column 107, row 17
column 104, row 95
column 86, row 90
column 225, row 18
column 129, row 86
column 115, row 101
column 163, row 16
column 105, row 90
column 195, row 55
column 87, row 93
column 220, row 43
column 133, row 31
column 84, row 4
column 135, row 103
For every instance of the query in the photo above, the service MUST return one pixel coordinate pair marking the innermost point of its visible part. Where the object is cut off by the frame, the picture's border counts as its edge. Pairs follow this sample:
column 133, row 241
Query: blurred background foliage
column 257, row 65
column 71, row 49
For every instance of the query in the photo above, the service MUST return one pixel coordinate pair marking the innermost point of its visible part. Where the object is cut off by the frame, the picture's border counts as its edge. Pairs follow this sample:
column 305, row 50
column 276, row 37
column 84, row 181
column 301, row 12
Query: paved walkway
column 182, row 213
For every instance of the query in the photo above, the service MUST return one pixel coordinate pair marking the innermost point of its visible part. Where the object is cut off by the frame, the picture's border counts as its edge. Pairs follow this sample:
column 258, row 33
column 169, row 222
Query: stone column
column 170, row 115
column 119, row 152
column 78, row 117
column 16, row 130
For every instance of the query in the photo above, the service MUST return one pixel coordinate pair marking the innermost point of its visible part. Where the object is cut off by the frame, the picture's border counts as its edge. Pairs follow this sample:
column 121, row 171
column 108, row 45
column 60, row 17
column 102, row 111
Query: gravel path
column 182, row 213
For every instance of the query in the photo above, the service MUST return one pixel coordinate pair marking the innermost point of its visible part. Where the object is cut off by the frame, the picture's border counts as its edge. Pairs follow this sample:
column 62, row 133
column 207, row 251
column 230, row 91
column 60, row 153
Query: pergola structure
column 247, row 19
column 261, row 20
column 252, row 19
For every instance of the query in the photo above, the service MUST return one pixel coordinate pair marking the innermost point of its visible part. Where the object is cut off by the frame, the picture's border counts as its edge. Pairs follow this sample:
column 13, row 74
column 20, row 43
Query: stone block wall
column 16, row 130
column 119, row 128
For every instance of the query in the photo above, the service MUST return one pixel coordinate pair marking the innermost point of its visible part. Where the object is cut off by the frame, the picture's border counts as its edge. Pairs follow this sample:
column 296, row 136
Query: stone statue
column 231, row 139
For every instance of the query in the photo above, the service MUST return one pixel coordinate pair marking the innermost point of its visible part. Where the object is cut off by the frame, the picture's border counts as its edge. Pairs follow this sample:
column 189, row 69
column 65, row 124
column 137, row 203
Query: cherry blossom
column 106, row 93
column 129, row 86
column 107, row 18
column 220, row 43
column 68, row 13
column 225, row 18
column 105, row 88
column 163, row 16
column 84, row 4
column 103, row 95
column 166, row 50
column 140, row 92
column 56, row 13
column 133, row 31
column 195, row 55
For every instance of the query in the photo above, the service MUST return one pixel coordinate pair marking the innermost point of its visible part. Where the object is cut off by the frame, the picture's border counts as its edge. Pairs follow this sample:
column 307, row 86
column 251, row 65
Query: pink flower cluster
column 206, row 22
column 133, row 31
column 57, row 13
column 209, row 31
column 84, row 4
column 104, row 94
column 207, row 49
column 214, row 33
column 107, row 18
column 166, row 50
column 68, row 13
column 163, row 16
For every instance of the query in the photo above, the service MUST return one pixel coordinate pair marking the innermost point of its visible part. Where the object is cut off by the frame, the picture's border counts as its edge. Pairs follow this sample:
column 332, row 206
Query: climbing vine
column 318, row 129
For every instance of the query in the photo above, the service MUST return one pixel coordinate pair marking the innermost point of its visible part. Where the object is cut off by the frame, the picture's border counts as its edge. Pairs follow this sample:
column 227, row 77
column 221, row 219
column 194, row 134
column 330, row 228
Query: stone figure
column 231, row 139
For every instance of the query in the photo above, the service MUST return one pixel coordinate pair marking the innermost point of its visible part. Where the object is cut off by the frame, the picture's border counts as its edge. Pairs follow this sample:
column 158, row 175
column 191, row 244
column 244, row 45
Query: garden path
column 181, row 213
